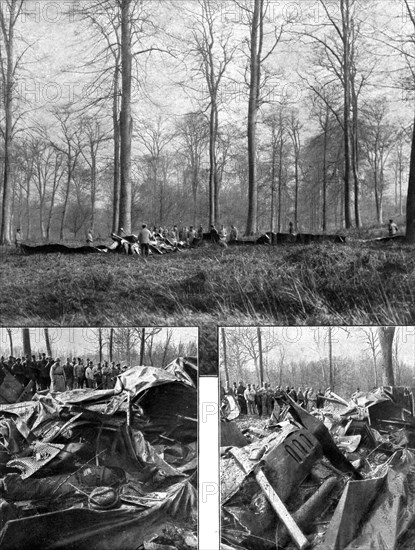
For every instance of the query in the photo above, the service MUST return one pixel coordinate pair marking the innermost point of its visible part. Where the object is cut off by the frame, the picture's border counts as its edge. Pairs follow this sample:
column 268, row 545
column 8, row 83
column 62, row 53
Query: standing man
column 18, row 239
column 106, row 376
column 191, row 235
column 250, row 399
column 241, row 398
column 57, row 377
column 233, row 234
column 144, row 240
column 44, row 369
column 89, row 238
column 246, row 397
column 79, row 374
column 114, row 373
column 97, row 374
column 392, row 228
column 89, row 376
column 68, row 368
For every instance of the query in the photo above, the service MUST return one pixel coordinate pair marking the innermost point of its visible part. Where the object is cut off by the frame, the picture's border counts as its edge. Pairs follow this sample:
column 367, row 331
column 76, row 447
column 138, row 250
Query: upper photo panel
column 207, row 162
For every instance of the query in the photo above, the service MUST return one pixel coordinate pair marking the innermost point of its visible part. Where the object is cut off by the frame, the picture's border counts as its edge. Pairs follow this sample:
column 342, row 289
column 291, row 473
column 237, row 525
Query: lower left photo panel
column 98, row 438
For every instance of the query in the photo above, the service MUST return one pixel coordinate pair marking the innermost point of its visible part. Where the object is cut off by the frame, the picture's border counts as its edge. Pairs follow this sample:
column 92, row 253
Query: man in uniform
column 144, row 240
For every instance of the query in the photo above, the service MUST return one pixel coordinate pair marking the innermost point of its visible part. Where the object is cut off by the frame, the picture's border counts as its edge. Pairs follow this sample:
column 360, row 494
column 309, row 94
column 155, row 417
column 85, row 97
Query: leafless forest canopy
column 340, row 358
column 250, row 112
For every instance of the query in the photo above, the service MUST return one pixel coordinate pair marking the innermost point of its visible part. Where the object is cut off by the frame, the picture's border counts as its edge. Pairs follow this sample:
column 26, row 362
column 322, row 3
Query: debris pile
column 338, row 478
column 105, row 469
column 129, row 244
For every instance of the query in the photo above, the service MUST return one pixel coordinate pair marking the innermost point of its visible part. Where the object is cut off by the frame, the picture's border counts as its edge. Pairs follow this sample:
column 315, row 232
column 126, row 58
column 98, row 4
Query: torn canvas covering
column 184, row 369
column 68, row 457
column 326, row 505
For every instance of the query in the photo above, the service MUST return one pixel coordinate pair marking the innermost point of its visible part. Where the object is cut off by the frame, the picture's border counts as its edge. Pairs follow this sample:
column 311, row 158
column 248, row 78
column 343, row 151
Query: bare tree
column 92, row 137
column 340, row 60
column 111, row 345
column 260, row 357
column 386, row 336
column 294, row 130
column 10, row 11
column 68, row 145
column 225, row 358
column 10, row 335
column 100, row 344
column 142, row 345
column 214, row 51
column 27, row 350
column 47, row 342
column 379, row 138
column 193, row 131
column 372, row 342
column 257, row 16
column 167, row 342
column 155, row 138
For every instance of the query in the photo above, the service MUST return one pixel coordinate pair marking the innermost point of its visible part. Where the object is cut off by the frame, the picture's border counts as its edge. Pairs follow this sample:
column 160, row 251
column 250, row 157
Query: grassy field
column 315, row 284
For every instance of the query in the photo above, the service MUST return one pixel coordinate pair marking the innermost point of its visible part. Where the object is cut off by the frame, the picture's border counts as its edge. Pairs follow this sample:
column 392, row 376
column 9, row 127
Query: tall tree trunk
column 386, row 336
column 100, row 344
column 111, row 345
column 142, row 345
column 116, row 173
column 8, row 83
column 216, row 173
column 166, row 348
column 273, row 182
column 194, row 195
column 27, row 350
column 28, row 213
column 93, row 187
column 410, row 201
column 212, row 164
column 331, row 366
column 355, row 150
column 324, row 225
column 125, row 118
column 260, row 356
column 279, row 221
column 297, row 187
column 47, row 342
column 10, row 335
column 344, row 6
column 225, row 358
column 253, row 108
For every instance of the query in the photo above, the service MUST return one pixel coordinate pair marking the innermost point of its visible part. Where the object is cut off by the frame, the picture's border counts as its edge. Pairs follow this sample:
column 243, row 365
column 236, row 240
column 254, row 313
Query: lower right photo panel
column 317, row 435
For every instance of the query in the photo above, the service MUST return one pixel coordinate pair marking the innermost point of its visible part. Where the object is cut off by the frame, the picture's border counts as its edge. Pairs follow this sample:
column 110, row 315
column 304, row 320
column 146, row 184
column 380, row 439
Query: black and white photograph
column 98, row 438
column 205, row 162
column 317, row 436
column 184, row 186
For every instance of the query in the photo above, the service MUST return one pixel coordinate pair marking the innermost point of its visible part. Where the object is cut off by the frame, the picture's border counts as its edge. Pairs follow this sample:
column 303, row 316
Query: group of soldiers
column 260, row 400
column 47, row 373
column 189, row 234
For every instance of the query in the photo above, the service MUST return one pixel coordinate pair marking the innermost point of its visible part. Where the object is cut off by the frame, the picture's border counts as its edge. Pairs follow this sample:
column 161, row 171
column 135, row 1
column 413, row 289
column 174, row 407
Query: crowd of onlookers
column 191, row 234
column 254, row 399
column 47, row 373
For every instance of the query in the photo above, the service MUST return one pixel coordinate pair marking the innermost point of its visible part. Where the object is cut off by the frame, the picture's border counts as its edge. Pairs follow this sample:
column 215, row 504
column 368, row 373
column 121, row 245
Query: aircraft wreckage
column 102, row 469
column 338, row 478
column 128, row 244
